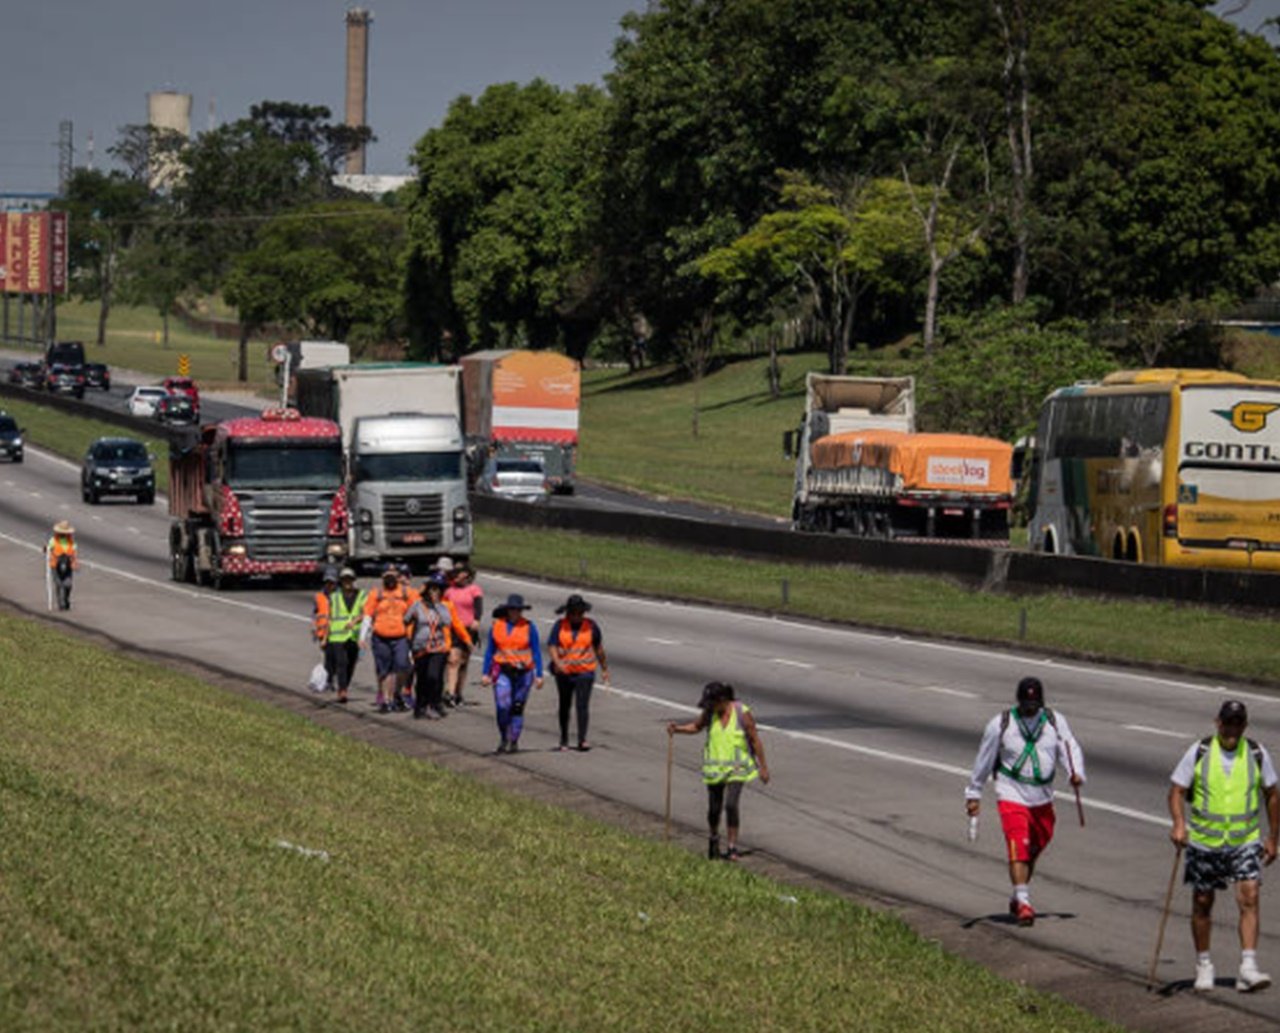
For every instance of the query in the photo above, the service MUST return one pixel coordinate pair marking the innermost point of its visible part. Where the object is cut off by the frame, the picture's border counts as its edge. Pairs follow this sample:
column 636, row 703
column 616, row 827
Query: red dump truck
column 861, row 468
column 256, row 496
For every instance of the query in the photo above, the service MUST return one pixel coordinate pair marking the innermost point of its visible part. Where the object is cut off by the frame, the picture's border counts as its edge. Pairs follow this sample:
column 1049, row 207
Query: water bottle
column 973, row 827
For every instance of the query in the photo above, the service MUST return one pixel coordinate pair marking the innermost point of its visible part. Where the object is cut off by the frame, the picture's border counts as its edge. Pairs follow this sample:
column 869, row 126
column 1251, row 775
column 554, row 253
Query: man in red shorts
column 1021, row 749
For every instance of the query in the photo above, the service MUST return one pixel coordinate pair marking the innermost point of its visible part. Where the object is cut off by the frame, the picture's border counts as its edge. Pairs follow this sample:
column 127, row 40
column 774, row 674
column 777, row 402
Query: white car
column 515, row 477
column 143, row 401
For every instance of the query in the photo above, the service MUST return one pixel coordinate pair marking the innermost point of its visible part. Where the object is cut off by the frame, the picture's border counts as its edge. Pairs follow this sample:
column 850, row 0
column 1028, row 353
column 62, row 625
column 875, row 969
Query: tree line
column 825, row 174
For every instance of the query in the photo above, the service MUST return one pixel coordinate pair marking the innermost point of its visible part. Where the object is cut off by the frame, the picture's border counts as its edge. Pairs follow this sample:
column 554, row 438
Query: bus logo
column 1248, row 417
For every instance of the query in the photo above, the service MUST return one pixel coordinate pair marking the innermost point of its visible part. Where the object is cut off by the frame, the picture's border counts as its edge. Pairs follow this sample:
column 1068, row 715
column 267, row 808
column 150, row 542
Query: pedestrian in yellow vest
column 342, row 646
column 732, row 756
column 1223, row 782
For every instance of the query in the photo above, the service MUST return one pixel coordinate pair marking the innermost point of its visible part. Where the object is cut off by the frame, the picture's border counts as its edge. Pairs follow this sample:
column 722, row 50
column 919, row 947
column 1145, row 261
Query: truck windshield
column 409, row 466
column 283, row 467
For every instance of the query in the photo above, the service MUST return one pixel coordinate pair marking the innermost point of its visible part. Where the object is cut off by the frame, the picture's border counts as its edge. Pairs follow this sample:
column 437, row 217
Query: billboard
column 33, row 252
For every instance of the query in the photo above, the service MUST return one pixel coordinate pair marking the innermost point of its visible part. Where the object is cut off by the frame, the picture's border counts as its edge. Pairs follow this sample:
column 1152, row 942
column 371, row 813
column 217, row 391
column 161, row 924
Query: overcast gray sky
column 93, row 62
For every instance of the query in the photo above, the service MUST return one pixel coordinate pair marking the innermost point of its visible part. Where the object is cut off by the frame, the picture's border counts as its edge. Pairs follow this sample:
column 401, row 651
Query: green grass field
column 145, row 886
column 133, row 342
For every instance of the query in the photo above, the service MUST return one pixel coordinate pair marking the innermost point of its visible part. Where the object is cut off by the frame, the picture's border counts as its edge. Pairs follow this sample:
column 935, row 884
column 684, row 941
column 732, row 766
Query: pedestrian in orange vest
column 512, row 665
column 320, row 621
column 434, row 627
column 385, row 629
column 576, row 648
column 62, row 558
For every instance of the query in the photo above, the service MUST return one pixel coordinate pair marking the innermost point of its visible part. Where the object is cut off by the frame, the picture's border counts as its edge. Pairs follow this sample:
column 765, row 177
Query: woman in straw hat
column 60, row 554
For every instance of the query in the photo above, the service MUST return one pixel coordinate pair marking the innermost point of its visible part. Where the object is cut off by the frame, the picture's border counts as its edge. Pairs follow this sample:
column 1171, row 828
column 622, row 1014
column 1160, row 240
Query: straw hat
column 63, row 527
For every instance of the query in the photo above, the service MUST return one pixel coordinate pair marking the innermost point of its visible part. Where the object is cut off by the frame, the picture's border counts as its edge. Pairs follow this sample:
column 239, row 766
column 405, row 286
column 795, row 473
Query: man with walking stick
column 1216, row 804
column 1021, row 748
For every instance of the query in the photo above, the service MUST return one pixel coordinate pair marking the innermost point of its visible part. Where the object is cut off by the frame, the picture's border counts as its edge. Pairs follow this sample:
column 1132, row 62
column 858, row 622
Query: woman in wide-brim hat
column 63, row 527
column 513, row 666
column 60, row 554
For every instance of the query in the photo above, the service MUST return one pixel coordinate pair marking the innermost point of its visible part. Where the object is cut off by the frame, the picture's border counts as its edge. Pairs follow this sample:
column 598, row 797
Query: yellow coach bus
column 1170, row 466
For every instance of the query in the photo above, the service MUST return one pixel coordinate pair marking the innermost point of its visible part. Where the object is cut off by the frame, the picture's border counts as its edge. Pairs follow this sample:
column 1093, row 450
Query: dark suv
column 27, row 374
column 10, row 438
column 177, row 411
column 96, row 374
column 118, row 466
column 67, row 380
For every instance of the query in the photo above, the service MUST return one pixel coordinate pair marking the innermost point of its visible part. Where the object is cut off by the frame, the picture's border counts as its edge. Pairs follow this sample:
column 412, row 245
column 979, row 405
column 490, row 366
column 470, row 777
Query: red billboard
column 33, row 252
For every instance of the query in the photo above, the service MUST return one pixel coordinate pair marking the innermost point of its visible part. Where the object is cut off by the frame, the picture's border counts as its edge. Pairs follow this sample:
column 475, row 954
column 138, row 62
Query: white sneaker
column 1204, row 977
column 1250, row 978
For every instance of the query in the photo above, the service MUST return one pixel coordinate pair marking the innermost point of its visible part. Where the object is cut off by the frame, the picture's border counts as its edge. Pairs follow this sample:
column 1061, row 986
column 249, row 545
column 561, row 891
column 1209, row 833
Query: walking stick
column 48, row 583
column 671, row 750
column 1072, row 765
column 1164, row 918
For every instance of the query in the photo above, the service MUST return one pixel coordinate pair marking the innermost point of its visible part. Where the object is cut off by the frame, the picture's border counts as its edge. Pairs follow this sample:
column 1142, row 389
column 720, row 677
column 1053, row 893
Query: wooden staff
column 1164, row 918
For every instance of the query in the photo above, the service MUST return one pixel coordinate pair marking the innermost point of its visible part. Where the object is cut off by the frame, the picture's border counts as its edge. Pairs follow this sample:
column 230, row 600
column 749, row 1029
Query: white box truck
column 405, row 471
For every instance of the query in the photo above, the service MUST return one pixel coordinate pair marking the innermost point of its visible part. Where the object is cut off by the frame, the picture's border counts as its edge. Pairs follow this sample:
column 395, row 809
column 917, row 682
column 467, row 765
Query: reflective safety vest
column 61, row 545
column 727, row 755
column 434, row 633
column 1029, row 751
column 344, row 623
column 577, row 651
column 511, row 646
column 320, row 617
column 1225, row 810
column 387, row 610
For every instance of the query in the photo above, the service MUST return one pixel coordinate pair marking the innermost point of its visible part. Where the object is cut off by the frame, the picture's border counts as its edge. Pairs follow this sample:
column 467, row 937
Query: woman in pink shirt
column 467, row 600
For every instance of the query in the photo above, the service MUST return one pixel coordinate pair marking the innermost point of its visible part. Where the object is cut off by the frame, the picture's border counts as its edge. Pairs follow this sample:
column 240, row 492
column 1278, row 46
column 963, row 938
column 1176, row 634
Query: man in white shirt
column 1223, row 781
column 1021, row 749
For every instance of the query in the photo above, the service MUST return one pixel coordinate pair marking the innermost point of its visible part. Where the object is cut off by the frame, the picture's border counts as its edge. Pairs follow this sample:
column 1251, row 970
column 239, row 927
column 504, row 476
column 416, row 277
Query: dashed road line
column 945, row 691
column 663, row 641
column 1159, row 731
column 792, row 663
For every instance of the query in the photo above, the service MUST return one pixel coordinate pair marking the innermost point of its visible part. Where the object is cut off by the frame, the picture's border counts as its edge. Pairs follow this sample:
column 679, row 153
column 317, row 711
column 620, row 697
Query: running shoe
column 1026, row 914
column 1249, row 979
column 1204, row 977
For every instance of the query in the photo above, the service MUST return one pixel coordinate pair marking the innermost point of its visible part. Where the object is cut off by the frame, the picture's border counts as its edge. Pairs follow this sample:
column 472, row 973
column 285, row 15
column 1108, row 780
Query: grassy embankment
column 133, row 342
column 145, row 886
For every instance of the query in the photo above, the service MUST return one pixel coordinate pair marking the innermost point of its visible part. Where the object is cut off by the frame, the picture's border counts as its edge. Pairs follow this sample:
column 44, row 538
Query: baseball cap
column 1233, row 711
column 345, row 573
column 444, row 564
column 1031, row 693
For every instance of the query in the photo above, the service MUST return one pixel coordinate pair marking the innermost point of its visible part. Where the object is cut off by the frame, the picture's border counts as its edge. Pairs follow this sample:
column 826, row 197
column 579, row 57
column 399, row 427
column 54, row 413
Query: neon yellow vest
column 727, row 755
column 344, row 624
column 1225, row 811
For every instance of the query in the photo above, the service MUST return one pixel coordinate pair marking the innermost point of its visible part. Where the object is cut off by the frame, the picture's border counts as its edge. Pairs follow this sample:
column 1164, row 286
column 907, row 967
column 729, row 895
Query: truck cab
column 407, row 488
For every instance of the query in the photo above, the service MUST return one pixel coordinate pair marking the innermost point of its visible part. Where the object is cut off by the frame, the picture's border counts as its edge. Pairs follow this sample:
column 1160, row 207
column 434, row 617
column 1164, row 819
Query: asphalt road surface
column 869, row 737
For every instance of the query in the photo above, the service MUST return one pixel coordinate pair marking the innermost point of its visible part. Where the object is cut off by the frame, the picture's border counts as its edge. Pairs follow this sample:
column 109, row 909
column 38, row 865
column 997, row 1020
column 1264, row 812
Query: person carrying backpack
column 1223, row 781
column 732, row 756
column 1021, row 749
column 60, row 553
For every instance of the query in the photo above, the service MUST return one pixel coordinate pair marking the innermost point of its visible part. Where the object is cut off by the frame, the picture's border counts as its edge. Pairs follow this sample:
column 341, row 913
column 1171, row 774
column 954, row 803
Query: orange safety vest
column 60, row 545
column 511, row 644
column 440, row 633
column 320, row 618
column 387, row 610
column 577, row 653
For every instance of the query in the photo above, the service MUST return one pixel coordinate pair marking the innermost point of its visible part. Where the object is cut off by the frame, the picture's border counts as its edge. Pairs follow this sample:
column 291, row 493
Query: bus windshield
column 283, row 467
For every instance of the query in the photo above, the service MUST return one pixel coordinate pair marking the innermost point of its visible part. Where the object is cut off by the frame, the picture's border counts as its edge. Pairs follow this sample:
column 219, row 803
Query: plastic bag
column 319, row 680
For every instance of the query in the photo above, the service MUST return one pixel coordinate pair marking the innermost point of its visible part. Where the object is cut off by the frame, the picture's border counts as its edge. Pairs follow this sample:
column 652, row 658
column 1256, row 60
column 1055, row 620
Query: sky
column 92, row 62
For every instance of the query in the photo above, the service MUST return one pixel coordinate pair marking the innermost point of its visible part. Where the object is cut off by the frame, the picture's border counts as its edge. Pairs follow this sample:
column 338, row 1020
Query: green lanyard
column 1029, row 751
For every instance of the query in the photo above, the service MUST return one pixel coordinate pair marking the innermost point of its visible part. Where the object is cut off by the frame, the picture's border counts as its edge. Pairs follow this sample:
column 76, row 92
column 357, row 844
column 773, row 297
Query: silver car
column 515, row 477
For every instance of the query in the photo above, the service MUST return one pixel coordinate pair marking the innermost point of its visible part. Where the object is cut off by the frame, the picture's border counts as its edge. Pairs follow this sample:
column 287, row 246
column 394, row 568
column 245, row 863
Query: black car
column 26, row 374
column 96, row 374
column 118, row 466
column 11, row 443
column 65, row 380
column 177, row 411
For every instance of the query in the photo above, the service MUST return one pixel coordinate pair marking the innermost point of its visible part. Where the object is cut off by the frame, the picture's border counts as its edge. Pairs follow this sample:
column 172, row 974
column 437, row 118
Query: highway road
column 870, row 737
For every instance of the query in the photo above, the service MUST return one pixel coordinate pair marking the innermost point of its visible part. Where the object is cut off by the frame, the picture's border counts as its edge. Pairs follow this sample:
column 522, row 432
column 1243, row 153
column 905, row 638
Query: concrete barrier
column 86, row 409
column 995, row 569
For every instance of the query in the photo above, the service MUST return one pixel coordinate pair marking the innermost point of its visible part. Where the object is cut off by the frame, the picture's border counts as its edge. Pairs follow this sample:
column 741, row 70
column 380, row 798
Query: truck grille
column 286, row 527
column 413, row 519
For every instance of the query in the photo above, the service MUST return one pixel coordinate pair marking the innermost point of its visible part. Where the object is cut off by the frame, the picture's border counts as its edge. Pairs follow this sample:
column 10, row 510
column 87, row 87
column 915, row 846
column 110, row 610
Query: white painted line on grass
column 1159, row 731
column 791, row 663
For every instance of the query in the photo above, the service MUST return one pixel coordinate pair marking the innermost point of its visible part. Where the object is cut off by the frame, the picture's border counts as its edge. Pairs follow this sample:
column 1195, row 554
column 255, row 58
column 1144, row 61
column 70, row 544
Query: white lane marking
column 56, row 460
column 663, row 641
column 896, row 757
column 948, row 692
column 1160, row 731
column 35, row 494
column 97, row 518
column 10, row 484
column 134, row 530
column 998, row 651
column 791, row 663
column 64, row 505
column 168, row 586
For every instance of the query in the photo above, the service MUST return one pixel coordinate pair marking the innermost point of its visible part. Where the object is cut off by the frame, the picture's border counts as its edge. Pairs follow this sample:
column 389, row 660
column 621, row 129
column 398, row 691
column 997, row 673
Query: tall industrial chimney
column 358, row 20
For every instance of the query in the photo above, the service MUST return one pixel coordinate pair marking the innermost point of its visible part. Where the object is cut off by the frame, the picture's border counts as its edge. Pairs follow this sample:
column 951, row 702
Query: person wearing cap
column 342, row 645
column 384, row 629
column 435, row 625
column 1021, row 750
column 1223, row 781
column 63, row 559
column 512, row 665
column 320, row 621
column 468, row 601
column 576, row 648
column 732, row 756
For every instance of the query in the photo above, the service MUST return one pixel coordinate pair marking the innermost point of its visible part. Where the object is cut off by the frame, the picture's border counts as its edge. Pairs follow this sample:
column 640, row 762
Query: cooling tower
column 358, row 21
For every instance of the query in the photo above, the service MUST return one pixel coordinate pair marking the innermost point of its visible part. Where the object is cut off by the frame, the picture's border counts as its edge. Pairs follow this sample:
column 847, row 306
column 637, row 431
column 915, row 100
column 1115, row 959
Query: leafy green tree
column 992, row 371
column 499, row 221
column 830, row 248
column 155, row 270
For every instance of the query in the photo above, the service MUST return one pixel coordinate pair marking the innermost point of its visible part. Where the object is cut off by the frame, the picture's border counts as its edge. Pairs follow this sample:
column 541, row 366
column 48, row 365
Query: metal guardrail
column 1003, row 568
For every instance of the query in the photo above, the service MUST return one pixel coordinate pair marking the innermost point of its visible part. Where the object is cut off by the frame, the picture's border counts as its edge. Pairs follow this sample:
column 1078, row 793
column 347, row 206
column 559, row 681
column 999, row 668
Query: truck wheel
column 181, row 568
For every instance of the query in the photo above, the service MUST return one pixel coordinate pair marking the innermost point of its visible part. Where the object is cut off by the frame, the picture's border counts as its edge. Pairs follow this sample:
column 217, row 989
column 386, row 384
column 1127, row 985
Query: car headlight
column 460, row 515
column 17, row 442
column 366, row 517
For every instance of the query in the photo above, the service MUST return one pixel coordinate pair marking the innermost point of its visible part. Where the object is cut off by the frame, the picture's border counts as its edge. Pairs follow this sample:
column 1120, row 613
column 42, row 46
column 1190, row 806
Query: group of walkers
column 422, row 640
column 1217, row 795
